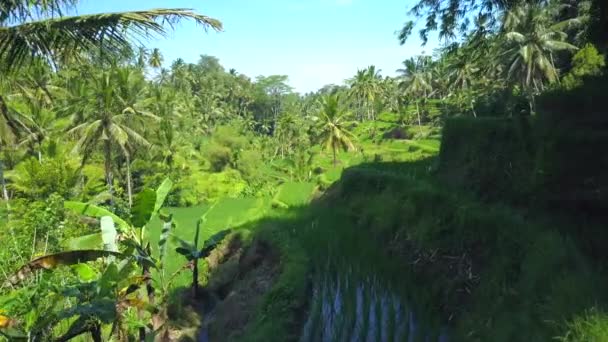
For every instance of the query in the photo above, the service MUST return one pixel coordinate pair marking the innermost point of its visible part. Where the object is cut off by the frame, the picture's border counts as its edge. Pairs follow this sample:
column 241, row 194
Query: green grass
column 91, row 241
column 228, row 213
column 590, row 327
column 3, row 213
column 294, row 193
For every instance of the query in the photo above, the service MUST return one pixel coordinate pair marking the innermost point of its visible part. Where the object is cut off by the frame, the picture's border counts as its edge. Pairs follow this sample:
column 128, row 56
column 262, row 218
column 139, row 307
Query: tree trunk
column 335, row 159
column 531, row 103
column 3, row 112
column 108, row 164
column 195, row 278
column 129, row 185
column 418, row 112
column 2, row 181
column 473, row 109
column 600, row 27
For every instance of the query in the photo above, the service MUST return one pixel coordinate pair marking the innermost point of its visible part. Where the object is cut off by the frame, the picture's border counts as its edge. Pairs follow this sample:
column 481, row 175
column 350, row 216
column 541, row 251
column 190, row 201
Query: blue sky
column 314, row 42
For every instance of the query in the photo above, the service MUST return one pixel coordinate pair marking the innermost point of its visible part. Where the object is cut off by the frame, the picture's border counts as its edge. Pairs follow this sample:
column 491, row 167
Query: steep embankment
column 475, row 244
column 484, row 271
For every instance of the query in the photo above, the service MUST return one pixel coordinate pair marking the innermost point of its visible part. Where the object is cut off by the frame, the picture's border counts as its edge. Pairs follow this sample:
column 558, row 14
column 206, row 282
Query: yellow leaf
column 4, row 321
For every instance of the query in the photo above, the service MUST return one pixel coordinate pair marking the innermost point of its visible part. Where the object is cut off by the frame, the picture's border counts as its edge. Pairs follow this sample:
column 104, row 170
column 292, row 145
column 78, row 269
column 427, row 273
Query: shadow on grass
column 486, row 270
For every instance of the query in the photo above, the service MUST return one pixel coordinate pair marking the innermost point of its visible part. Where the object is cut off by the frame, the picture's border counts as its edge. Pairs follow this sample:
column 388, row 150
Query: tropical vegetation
column 148, row 199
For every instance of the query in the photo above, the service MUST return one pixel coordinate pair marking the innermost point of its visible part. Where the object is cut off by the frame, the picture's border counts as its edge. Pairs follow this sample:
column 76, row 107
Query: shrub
column 490, row 156
column 35, row 180
column 219, row 157
column 586, row 62
column 590, row 327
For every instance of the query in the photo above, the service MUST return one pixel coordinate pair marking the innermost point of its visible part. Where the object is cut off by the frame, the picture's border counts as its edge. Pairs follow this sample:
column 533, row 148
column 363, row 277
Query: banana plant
column 96, row 298
column 193, row 254
column 102, row 299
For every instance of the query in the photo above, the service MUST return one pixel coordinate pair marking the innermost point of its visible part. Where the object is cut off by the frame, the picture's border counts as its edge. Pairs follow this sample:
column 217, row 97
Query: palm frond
column 554, row 45
column 19, row 10
column 114, row 32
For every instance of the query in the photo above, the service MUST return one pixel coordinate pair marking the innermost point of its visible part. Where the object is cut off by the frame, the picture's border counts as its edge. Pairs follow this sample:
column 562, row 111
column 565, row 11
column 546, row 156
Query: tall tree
column 416, row 80
column 333, row 124
column 453, row 17
column 156, row 59
column 533, row 39
column 54, row 37
column 272, row 90
column 112, row 118
column 365, row 88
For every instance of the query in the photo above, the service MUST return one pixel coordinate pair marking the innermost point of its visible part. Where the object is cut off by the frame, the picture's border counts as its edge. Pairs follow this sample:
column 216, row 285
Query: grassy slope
column 227, row 213
column 516, row 277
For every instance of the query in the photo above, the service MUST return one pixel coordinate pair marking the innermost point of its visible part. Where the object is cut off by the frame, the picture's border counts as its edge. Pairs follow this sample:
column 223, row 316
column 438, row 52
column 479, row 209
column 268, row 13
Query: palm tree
column 41, row 121
column 333, row 125
column 13, row 125
column 365, row 87
column 416, row 80
column 533, row 38
column 112, row 117
column 142, row 57
column 156, row 59
column 55, row 37
column 462, row 72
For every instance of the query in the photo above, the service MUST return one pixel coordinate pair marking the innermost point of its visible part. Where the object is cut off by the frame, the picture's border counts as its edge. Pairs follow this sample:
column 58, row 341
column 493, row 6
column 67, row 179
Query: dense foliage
column 97, row 137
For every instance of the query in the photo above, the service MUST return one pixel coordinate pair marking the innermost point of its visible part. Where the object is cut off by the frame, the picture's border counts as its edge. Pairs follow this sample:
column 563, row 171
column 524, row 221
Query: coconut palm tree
column 365, row 88
column 55, row 35
column 13, row 125
column 333, row 125
column 156, row 59
column 112, row 117
column 33, row 29
column 533, row 38
column 142, row 57
column 416, row 80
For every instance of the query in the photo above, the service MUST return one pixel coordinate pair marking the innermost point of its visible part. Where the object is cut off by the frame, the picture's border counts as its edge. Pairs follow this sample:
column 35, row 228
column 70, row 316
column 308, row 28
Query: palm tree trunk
column 129, row 185
column 531, row 101
column 418, row 112
column 3, row 112
column 4, row 191
column 108, row 164
column 473, row 109
column 335, row 158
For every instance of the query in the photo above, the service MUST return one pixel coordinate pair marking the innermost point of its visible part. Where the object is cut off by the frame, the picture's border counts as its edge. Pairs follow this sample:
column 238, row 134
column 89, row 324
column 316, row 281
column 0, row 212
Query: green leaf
column 80, row 326
column 143, row 208
column 161, row 194
column 49, row 262
column 108, row 280
column 95, row 211
column 213, row 241
column 108, row 234
column 13, row 334
column 85, row 272
column 52, row 35
column 91, row 241
column 188, row 253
